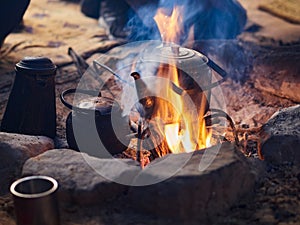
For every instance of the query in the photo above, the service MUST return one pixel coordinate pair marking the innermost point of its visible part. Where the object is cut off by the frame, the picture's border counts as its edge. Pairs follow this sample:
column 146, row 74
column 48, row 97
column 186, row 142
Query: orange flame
column 170, row 27
column 183, row 133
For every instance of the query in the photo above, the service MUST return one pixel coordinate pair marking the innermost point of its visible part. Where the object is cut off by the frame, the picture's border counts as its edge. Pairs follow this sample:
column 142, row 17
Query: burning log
column 150, row 138
column 156, row 142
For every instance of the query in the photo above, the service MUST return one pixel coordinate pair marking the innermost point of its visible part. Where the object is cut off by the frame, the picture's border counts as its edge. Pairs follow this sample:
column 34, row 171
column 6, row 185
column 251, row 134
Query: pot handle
column 215, row 67
column 72, row 91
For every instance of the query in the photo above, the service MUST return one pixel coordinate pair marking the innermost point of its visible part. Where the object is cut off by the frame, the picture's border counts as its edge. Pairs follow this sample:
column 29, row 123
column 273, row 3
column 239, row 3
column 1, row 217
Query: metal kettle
column 104, row 113
column 193, row 69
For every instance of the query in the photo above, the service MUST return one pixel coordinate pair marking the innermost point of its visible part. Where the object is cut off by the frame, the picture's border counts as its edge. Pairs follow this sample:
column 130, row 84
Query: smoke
column 221, row 20
column 211, row 19
column 143, row 27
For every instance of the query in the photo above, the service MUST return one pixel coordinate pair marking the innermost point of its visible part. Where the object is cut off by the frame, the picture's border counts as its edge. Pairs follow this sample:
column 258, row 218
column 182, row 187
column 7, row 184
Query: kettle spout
column 146, row 98
column 135, row 75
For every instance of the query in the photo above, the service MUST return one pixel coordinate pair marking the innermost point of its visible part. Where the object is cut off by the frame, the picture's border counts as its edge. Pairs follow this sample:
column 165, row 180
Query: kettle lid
column 172, row 54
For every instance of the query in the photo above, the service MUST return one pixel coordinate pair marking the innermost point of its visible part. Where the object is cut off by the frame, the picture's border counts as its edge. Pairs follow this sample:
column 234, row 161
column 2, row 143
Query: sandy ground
column 51, row 27
column 271, row 26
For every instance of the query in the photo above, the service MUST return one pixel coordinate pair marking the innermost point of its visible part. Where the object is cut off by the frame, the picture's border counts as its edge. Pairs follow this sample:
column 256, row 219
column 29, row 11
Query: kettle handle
column 72, row 91
column 215, row 67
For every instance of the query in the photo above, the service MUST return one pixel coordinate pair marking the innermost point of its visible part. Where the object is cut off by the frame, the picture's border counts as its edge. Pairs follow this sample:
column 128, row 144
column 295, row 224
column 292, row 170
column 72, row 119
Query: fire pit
column 170, row 96
column 157, row 87
column 171, row 104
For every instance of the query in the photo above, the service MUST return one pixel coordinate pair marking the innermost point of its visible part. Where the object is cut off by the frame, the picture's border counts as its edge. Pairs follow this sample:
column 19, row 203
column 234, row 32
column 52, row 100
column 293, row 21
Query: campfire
column 168, row 93
column 177, row 115
column 173, row 101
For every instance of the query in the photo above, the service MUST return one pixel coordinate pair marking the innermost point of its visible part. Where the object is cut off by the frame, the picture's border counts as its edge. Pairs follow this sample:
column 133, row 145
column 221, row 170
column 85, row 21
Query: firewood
column 156, row 142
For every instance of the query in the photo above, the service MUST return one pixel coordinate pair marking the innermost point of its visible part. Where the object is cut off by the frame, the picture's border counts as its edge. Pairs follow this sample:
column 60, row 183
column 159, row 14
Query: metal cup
column 35, row 200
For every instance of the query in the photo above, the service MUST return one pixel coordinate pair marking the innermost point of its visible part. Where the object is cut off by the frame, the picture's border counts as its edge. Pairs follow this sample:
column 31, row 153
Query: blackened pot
column 101, row 113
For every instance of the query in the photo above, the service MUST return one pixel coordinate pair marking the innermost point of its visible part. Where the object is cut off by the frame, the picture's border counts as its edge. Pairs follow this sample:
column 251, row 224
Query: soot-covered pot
column 96, row 125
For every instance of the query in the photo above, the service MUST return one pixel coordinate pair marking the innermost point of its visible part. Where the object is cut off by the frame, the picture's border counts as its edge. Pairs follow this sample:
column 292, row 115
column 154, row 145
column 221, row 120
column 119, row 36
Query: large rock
column 281, row 137
column 194, row 194
column 15, row 149
column 77, row 175
column 170, row 187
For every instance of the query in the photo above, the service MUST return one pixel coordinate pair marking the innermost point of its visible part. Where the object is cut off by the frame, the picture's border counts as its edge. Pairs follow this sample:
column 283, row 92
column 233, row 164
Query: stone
column 281, row 137
column 78, row 175
column 170, row 187
column 15, row 149
column 194, row 194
